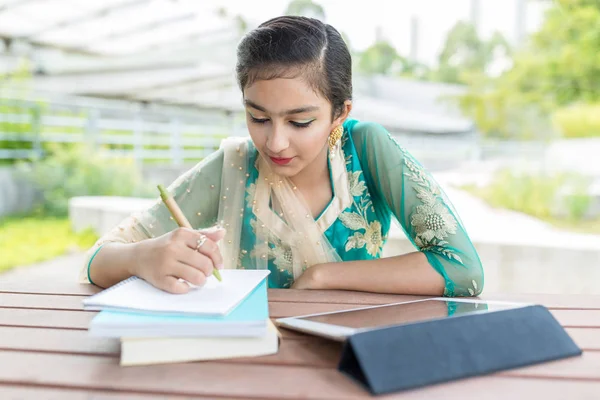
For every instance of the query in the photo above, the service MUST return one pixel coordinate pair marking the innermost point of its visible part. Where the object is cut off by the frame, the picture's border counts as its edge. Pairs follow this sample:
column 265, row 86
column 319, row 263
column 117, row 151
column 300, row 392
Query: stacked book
column 219, row 320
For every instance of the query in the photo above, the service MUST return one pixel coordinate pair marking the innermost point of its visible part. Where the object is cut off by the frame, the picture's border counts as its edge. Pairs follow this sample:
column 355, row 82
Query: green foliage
column 559, row 66
column 305, row 8
column 578, row 121
column 542, row 195
column 465, row 54
column 378, row 58
column 76, row 170
column 27, row 240
column 381, row 58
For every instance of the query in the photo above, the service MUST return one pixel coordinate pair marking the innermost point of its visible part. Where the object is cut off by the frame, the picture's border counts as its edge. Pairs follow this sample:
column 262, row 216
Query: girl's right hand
column 164, row 260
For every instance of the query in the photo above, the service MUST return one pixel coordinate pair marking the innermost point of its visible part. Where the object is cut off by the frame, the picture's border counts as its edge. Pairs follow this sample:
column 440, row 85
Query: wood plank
column 516, row 388
column 291, row 352
column 71, row 302
column 578, row 318
column 45, row 318
column 584, row 367
column 572, row 318
column 499, row 388
column 43, row 301
column 207, row 379
column 310, row 351
column 337, row 296
column 38, row 286
column 73, row 288
column 586, row 338
column 56, row 340
column 285, row 309
column 220, row 379
column 81, row 319
column 552, row 301
column 66, row 319
column 9, row 392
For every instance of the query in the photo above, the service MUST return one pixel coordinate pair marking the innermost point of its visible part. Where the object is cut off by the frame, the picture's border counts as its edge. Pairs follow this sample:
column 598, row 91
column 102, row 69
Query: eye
column 258, row 120
column 301, row 124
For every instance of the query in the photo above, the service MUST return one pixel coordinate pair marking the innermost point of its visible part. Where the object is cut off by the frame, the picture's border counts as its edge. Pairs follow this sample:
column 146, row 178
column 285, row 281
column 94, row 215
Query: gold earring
column 335, row 136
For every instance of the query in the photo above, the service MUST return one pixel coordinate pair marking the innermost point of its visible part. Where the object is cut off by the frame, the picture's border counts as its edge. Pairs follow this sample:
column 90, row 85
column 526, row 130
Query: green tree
column 465, row 53
column 558, row 66
column 378, row 58
column 381, row 58
column 306, row 8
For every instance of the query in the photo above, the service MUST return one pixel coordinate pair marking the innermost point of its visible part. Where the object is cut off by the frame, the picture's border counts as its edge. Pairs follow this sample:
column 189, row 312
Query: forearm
column 406, row 274
column 113, row 263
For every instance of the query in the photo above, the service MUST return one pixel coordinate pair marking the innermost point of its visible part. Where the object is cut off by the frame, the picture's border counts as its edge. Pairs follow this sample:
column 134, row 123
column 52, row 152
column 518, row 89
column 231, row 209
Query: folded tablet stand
column 418, row 354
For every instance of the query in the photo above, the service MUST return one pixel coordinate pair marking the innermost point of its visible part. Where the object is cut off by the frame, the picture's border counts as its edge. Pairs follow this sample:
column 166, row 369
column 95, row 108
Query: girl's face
column 289, row 123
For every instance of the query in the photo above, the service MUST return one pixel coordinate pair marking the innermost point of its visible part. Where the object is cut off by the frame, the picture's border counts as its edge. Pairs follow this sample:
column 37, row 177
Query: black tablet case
column 419, row 354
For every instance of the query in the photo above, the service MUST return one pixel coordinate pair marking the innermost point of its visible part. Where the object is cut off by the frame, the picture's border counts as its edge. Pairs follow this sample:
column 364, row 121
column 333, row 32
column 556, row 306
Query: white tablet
column 338, row 325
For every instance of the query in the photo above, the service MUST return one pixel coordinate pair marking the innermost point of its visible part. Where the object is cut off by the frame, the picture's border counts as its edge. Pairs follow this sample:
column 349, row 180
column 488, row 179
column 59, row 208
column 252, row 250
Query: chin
column 285, row 171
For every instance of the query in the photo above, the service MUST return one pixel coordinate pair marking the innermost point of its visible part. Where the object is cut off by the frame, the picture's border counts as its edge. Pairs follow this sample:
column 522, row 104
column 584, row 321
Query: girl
column 311, row 196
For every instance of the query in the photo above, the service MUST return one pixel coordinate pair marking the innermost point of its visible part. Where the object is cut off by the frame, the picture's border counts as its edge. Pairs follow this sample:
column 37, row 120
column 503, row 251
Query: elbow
column 477, row 283
column 474, row 279
column 467, row 282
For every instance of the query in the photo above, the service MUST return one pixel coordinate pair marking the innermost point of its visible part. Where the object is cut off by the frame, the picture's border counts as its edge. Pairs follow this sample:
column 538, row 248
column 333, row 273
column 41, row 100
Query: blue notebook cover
column 255, row 308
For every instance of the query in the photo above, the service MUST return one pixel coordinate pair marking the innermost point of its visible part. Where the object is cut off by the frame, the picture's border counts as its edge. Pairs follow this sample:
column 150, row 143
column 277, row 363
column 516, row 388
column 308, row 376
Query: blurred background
column 499, row 99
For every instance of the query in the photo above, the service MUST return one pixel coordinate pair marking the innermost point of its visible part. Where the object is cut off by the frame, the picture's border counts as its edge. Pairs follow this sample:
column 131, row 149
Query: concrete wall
column 531, row 266
column 16, row 196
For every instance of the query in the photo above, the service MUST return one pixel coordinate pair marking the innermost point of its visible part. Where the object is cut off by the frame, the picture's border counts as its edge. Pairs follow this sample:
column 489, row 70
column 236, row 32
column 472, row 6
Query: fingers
column 172, row 284
column 209, row 248
column 190, row 274
column 215, row 233
column 196, row 260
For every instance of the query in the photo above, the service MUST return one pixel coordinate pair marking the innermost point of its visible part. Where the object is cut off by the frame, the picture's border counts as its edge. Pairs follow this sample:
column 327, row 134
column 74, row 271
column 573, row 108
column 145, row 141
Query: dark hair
column 293, row 46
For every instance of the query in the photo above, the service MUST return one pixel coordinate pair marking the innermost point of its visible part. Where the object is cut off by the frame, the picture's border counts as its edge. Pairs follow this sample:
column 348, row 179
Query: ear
column 344, row 114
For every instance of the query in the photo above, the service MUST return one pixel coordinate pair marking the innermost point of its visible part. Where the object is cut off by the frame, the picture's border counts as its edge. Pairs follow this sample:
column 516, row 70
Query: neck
column 313, row 174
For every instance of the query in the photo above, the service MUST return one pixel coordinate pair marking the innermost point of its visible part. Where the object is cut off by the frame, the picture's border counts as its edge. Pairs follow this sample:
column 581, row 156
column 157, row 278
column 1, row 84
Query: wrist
column 134, row 260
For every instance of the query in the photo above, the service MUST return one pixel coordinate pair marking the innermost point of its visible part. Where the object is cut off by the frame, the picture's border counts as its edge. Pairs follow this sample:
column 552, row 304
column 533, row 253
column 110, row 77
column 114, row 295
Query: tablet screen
column 396, row 314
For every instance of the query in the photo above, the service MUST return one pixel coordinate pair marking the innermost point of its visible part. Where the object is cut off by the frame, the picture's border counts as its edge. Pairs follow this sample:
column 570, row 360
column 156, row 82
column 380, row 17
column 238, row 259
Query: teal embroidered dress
column 374, row 181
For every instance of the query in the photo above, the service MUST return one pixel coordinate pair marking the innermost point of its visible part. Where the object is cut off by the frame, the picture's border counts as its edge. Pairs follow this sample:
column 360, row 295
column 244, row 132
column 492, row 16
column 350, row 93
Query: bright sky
column 360, row 19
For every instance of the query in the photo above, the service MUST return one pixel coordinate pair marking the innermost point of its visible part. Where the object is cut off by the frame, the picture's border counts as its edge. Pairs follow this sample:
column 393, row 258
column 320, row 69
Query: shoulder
column 366, row 130
column 370, row 135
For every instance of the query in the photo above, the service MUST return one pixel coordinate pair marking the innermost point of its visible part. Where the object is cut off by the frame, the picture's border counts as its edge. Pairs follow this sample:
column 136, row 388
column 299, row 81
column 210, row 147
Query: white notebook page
column 214, row 298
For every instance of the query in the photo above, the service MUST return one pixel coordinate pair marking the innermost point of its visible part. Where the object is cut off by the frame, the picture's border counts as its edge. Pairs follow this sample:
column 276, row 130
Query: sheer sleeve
column 409, row 192
column 196, row 192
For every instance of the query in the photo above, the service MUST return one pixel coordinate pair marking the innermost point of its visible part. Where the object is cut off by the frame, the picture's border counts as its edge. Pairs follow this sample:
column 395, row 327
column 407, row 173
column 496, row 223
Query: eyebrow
column 287, row 112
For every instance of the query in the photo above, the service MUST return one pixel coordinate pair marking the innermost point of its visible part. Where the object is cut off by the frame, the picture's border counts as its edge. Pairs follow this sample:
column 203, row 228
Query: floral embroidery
column 250, row 193
column 357, row 186
column 432, row 221
column 280, row 254
column 371, row 238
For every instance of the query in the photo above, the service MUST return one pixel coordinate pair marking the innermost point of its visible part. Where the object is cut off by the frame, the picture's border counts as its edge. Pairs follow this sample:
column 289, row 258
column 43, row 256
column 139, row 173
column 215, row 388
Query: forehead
column 284, row 93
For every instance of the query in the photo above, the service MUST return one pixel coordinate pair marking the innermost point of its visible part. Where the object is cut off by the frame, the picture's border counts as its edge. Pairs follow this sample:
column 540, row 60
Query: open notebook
column 213, row 299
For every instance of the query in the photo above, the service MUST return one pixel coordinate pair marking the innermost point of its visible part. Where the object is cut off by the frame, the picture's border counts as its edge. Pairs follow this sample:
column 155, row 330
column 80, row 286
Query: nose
column 277, row 141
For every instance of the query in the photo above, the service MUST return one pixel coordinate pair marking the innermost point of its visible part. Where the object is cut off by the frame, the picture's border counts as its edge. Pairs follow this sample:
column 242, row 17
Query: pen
column 179, row 217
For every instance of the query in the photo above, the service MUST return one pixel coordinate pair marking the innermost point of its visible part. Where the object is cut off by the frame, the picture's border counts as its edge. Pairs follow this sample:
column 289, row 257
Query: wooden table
column 45, row 352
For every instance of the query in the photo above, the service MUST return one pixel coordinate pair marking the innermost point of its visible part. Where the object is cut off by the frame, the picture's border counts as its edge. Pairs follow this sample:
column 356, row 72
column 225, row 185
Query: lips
column 281, row 161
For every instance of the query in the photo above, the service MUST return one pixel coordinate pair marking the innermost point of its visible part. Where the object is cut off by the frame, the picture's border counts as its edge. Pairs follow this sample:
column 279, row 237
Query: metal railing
column 167, row 134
